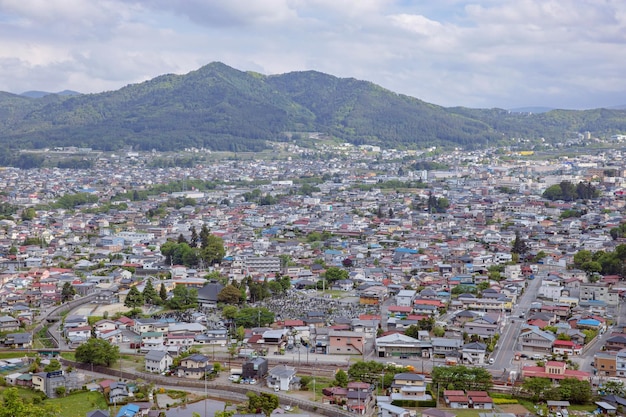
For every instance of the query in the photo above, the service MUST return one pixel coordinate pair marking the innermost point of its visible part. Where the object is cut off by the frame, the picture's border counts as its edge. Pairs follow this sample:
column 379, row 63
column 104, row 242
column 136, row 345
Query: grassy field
column 16, row 354
column 79, row 404
column 26, row 394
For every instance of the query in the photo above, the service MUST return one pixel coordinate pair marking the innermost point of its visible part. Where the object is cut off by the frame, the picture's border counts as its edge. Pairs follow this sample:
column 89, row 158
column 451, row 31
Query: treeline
column 601, row 262
column 203, row 247
column 566, row 191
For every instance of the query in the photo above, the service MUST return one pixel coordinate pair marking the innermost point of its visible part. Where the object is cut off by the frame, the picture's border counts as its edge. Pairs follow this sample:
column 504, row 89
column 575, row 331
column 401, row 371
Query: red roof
column 563, row 343
column 457, row 399
column 400, row 309
column 293, row 323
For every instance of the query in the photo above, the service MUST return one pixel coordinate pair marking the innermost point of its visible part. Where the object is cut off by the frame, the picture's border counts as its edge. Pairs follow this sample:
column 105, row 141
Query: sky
column 476, row 53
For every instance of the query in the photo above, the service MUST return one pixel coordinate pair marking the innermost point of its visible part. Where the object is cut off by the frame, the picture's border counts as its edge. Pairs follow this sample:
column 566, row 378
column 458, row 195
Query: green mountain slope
column 221, row 108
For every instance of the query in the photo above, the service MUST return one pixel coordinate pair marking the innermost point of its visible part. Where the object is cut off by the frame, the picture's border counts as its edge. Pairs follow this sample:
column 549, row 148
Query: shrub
column 499, row 401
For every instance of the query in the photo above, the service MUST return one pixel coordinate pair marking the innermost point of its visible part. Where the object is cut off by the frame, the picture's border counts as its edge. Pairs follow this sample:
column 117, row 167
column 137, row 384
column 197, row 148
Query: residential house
column 118, row 392
column 445, row 347
column 360, row 397
column 484, row 327
column 18, row 340
column 158, row 361
column 194, row 366
column 599, row 291
column 456, row 399
column 283, row 377
column 106, row 297
column 104, row 325
column 143, row 325
column 404, row 298
column 48, row 382
column 180, row 339
column 345, row 342
column 255, row 368
column 480, row 400
column 9, row 324
column 534, row 339
column 409, row 386
column 474, row 353
column 615, row 343
column 217, row 336
column 78, row 335
column 398, row 344
column 620, row 364
column 275, row 337
column 389, row 410
column 605, row 363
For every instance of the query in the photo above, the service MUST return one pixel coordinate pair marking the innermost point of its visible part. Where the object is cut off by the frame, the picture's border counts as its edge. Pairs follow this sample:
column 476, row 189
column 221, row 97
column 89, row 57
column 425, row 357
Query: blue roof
column 406, row 250
column 128, row 410
column 589, row 322
column 332, row 252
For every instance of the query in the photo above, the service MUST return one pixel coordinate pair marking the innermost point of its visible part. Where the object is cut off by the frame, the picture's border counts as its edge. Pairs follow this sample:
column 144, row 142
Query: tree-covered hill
column 221, row 108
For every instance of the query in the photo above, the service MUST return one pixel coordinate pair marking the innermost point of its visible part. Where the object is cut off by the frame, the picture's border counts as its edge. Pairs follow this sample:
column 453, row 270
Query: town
column 329, row 280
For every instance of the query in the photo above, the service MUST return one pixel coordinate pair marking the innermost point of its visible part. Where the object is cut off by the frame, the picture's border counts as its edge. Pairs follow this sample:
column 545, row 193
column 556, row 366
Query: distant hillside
column 221, row 108
column 40, row 94
column 531, row 109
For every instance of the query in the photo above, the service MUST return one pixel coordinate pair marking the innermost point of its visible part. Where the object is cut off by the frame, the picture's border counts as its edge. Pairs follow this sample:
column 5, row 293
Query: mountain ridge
column 223, row 108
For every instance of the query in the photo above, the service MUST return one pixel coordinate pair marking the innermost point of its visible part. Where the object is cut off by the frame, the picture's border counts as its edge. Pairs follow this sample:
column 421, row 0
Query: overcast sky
column 474, row 53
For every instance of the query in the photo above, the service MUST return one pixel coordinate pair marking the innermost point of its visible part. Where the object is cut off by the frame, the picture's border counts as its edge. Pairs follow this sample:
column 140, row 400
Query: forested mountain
column 221, row 108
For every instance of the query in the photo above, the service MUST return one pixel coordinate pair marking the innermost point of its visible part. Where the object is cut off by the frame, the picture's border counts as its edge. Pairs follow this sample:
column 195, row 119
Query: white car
column 234, row 378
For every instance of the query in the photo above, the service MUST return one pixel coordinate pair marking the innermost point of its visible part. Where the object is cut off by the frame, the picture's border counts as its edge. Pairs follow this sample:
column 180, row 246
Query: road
column 507, row 345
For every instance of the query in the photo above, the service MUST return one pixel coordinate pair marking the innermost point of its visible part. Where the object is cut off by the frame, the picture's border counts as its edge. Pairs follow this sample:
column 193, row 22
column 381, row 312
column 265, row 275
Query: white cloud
column 483, row 53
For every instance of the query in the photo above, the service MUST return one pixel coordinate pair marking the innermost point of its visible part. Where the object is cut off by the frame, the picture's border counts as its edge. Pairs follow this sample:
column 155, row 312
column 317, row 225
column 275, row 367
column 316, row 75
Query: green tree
column 262, row 403
column 54, row 365
column 183, row 298
column 163, row 293
column 334, row 273
column 193, row 241
column 67, row 292
column 13, row 405
column 229, row 312
column 341, row 378
column 575, row 391
column 252, row 317
column 213, row 250
column 149, row 294
column 204, row 236
column 229, row 295
column 134, row 298
column 614, row 388
column 98, row 352
column 28, row 213
column 536, row 387
column 460, row 377
column 519, row 246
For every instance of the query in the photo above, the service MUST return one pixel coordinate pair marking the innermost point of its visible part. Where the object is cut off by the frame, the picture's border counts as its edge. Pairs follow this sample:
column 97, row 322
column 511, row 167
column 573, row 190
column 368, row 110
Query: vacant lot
column 79, row 404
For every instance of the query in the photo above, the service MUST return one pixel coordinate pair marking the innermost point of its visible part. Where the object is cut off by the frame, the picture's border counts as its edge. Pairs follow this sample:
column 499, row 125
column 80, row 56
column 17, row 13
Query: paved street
column 507, row 345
